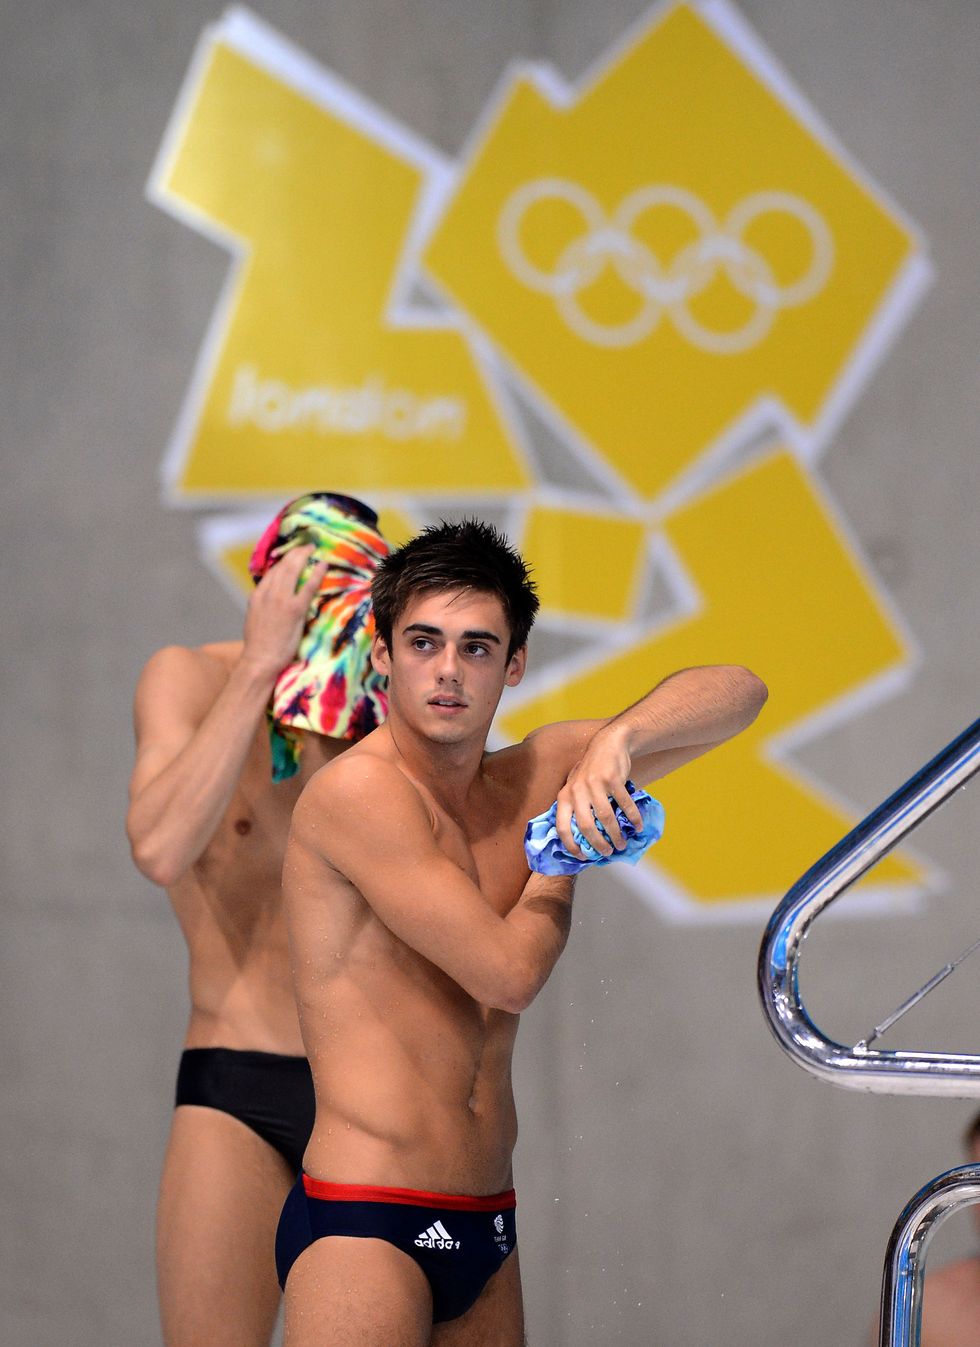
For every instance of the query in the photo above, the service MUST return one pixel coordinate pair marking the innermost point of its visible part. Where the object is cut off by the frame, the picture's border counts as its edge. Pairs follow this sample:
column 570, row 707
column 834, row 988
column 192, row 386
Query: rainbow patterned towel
column 331, row 687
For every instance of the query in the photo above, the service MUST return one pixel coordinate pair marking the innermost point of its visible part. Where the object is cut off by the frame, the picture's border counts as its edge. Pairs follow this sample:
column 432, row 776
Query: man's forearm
column 687, row 714
column 689, row 708
column 174, row 816
column 541, row 920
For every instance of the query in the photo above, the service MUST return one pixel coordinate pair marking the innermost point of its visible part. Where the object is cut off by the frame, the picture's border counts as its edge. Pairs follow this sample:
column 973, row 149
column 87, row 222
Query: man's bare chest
column 252, row 833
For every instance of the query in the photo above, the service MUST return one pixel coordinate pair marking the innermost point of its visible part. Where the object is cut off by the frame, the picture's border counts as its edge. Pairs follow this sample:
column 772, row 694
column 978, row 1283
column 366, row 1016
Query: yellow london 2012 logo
column 624, row 322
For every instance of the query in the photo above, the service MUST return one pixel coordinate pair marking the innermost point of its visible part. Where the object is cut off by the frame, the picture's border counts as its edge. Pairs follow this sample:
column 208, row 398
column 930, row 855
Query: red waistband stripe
column 406, row 1197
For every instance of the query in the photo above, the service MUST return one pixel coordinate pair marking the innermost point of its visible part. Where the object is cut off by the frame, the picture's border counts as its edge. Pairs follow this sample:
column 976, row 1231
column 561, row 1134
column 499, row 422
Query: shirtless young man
column 951, row 1294
column 207, row 822
column 418, row 938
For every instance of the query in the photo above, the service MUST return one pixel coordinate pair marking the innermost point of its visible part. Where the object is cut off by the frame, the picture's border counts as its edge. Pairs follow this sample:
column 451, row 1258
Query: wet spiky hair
column 470, row 555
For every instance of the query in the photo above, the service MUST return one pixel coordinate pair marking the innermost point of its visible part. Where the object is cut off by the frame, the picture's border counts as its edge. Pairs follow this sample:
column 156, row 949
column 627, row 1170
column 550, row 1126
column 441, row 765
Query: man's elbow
column 152, row 862
column 751, row 689
column 516, row 989
column 508, row 987
column 730, row 685
column 512, row 1003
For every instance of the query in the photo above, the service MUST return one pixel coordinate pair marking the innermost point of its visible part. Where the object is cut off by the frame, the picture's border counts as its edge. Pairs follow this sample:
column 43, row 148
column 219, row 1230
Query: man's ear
column 515, row 667
column 380, row 658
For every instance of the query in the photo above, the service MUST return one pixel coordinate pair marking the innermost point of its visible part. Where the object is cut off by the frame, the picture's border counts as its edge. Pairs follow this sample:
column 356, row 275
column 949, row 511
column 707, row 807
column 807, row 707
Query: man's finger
column 629, row 807
column 563, row 825
column 606, row 815
column 312, row 582
column 295, row 559
column 585, row 818
column 303, row 556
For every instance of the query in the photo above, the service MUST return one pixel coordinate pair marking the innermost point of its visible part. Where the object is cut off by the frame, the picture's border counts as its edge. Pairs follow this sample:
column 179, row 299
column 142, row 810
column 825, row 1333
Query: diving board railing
column 902, row 1283
column 864, row 1066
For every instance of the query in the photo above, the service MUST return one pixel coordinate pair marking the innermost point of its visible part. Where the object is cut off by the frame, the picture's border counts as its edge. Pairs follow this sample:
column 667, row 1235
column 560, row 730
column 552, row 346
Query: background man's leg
column 220, row 1196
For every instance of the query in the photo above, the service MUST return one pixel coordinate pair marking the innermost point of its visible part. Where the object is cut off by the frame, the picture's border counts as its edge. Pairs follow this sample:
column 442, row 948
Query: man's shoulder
column 544, row 755
column 182, row 682
column 209, row 663
column 365, row 778
column 359, row 805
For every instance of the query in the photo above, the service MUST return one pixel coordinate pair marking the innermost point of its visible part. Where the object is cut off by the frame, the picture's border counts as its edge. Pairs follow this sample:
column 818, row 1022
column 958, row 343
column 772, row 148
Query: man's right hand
column 277, row 612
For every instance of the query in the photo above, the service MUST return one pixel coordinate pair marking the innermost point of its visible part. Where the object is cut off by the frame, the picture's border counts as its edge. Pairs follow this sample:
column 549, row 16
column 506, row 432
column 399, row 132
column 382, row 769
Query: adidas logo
column 436, row 1237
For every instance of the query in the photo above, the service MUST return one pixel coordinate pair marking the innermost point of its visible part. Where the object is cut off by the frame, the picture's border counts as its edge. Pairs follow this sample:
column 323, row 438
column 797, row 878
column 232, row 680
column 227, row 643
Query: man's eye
column 477, row 650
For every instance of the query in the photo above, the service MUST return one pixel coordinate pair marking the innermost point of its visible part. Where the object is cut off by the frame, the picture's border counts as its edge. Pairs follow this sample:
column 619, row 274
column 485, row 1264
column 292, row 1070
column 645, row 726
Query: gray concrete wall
column 682, row 1184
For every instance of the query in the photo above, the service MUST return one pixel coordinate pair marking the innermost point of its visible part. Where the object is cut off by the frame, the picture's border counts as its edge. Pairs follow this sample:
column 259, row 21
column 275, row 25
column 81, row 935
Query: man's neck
column 446, row 770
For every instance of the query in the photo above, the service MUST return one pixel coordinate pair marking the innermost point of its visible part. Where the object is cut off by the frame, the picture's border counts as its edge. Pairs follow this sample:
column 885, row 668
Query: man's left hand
column 595, row 786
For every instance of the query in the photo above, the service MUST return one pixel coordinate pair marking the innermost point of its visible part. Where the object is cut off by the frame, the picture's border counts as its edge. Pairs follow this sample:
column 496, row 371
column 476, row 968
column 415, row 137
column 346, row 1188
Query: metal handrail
column 902, row 1283
column 862, row 1067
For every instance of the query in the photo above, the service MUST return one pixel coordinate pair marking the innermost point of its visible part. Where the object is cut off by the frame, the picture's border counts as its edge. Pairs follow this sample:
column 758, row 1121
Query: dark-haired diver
column 418, row 938
column 212, row 793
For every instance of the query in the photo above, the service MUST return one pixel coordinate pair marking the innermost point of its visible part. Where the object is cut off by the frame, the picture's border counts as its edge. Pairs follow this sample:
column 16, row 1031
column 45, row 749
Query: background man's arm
column 191, row 747
column 366, row 821
column 684, row 716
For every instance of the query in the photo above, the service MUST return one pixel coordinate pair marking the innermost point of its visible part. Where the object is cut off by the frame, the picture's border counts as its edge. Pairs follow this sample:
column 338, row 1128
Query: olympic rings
column 665, row 289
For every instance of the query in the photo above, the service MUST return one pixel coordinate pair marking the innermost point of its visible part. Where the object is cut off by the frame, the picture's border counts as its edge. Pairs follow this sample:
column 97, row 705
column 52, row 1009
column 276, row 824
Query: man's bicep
column 385, row 846
column 382, row 841
column 432, row 906
column 366, row 820
column 171, row 702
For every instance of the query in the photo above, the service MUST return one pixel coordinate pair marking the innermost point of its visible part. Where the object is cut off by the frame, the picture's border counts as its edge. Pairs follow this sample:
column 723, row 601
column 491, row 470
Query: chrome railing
column 863, row 1067
column 901, row 1286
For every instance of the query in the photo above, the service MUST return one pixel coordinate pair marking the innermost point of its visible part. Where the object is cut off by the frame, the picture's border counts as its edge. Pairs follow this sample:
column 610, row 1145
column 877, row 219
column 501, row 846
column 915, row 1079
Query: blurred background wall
column 682, row 1185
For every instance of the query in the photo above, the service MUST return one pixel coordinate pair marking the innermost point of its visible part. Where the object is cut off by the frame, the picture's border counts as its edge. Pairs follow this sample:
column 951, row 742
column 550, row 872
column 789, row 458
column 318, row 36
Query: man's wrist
column 617, row 735
column 257, row 674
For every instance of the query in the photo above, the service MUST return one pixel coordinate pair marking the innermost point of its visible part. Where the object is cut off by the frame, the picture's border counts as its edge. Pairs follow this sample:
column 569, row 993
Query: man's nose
column 449, row 664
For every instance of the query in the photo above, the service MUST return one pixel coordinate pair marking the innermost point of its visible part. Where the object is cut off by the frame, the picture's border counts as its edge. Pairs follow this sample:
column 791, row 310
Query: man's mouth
column 451, row 703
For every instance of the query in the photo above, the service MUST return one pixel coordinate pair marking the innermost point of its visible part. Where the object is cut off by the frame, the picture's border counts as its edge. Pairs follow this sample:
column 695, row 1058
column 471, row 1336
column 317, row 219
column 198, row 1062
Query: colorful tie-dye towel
column 546, row 854
column 331, row 687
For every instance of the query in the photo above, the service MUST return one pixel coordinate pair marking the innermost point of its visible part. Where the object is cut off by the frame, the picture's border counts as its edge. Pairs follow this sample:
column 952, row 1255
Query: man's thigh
column 497, row 1318
column 344, row 1292
column 221, row 1193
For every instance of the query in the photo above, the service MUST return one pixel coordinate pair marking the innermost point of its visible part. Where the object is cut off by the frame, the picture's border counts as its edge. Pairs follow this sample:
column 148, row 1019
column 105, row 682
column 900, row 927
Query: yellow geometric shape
column 396, row 526
column 584, row 565
column 666, row 250
column 308, row 380
column 781, row 592
column 233, row 560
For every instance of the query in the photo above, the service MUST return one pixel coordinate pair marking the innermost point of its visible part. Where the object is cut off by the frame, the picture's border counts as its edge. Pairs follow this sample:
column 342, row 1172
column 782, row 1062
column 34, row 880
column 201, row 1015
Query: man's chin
column 451, row 729
column 449, row 733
